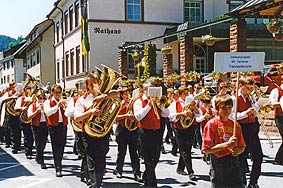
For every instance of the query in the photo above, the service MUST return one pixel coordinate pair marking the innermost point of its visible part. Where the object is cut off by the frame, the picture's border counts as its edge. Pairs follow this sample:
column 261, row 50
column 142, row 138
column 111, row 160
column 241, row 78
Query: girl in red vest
column 39, row 127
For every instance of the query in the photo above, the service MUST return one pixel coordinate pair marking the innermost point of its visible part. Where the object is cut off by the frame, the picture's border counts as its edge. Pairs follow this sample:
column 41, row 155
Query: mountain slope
column 4, row 41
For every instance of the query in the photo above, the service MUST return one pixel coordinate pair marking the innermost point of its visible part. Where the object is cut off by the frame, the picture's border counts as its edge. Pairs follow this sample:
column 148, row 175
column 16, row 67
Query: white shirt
column 141, row 112
column 244, row 114
column 52, row 110
column 30, row 112
column 83, row 103
column 274, row 94
column 69, row 112
column 19, row 101
column 173, row 110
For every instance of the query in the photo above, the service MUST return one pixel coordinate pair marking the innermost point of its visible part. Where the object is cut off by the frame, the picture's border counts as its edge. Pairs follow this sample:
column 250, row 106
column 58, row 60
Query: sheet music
column 154, row 91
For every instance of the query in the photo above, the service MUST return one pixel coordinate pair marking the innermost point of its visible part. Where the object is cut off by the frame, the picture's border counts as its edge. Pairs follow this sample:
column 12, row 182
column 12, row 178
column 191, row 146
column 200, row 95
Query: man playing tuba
column 96, row 147
column 28, row 136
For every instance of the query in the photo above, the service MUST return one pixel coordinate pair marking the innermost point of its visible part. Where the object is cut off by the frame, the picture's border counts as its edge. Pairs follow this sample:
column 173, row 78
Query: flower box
column 278, row 36
column 208, row 39
column 167, row 50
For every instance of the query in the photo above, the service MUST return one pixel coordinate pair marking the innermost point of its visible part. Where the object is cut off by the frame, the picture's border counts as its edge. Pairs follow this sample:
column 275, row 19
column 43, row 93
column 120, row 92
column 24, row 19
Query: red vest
column 122, row 111
column 23, row 101
column 149, row 121
column 243, row 106
column 53, row 120
column 203, row 123
column 278, row 111
column 36, row 119
column 179, row 108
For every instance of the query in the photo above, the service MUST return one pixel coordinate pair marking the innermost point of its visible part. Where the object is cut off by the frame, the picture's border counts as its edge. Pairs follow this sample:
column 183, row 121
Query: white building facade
column 114, row 22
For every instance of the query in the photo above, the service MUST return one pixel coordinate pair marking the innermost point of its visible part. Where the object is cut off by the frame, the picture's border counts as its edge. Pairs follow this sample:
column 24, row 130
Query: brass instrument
column 99, row 126
column 77, row 126
column 10, row 105
column 131, row 125
column 35, row 91
column 280, row 69
column 163, row 102
column 187, row 121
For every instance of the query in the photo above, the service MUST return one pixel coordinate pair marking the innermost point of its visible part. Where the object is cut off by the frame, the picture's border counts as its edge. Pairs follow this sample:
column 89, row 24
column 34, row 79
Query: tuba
column 99, row 126
column 35, row 87
column 10, row 105
column 131, row 125
column 77, row 126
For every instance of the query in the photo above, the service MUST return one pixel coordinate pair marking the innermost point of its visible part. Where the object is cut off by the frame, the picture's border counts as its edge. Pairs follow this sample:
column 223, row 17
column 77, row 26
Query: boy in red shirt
column 218, row 140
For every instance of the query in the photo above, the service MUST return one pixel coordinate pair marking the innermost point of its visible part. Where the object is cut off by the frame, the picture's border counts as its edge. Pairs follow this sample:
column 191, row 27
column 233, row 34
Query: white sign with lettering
column 238, row 61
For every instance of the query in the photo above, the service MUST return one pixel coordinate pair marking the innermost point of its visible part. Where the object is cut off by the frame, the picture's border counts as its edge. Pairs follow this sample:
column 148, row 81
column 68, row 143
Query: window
column 78, row 59
column 63, row 68
column 67, row 63
column 37, row 57
column 235, row 3
column 193, row 11
column 12, row 63
column 83, row 63
column 66, row 19
column 8, row 79
column 72, row 62
column 77, row 14
column 57, row 31
column 134, row 10
column 4, row 65
column 71, row 11
column 58, row 70
column 8, row 65
column 200, row 64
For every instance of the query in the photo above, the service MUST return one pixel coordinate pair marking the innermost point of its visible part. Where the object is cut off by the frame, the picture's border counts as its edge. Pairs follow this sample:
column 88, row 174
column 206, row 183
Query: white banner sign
column 238, row 61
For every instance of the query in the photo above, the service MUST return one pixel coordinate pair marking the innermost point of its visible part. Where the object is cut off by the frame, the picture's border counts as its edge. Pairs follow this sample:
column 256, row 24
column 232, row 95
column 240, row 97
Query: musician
column 148, row 115
column 126, row 137
column 28, row 136
column 12, row 128
column 223, row 89
column 246, row 116
column 96, row 147
column 223, row 146
column 39, row 127
column 275, row 98
column 57, row 122
column 78, row 145
column 184, row 135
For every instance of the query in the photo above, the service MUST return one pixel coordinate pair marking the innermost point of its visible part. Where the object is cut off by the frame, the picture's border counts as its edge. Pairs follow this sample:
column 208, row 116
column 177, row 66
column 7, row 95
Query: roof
column 259, row 9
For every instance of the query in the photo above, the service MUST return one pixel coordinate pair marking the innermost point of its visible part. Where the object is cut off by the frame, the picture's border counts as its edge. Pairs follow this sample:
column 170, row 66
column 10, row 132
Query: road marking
column 42, row 180
column 12, row 166
column 35, row 180
column 3, row 153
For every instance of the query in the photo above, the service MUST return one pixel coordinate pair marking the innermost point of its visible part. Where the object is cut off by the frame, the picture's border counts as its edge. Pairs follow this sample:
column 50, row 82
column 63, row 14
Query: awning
column 259, row 9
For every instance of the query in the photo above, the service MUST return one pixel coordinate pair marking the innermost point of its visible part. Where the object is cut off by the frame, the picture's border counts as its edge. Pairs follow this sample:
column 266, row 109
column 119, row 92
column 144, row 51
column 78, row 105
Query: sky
column 18, row 17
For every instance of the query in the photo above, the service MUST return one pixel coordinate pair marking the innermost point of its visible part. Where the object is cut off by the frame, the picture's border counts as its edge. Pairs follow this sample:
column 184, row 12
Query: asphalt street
column 18, row 172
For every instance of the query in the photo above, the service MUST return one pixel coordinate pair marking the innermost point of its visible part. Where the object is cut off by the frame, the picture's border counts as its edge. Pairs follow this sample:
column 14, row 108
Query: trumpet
column 155, row 109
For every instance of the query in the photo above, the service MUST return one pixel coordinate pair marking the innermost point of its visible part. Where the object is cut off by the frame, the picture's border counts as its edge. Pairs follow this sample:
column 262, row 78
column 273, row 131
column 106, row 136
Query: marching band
column 188, row 112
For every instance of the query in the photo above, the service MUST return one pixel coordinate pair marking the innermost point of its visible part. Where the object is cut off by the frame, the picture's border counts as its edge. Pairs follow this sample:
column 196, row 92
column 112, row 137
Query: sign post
column 238, row 62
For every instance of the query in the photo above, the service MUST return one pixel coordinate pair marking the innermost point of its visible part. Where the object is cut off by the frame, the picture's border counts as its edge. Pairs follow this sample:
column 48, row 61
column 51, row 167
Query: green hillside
column 4, row 41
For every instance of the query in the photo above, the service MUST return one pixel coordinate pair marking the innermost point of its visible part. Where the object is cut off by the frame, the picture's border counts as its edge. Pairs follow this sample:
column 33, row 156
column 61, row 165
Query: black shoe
column 192, row 177
column 59, row 174
column 181, row 172
column 253, row 185
column 29, row 156
column 14, row 151
column 43, row 166
column 277, row 163
column 163, row 150
column 7, row 146
column 138, row 177
column 174, row 154
column 119, row 175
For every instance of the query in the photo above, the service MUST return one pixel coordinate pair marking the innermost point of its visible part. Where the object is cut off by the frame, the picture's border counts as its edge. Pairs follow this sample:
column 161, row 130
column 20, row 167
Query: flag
column 85, row 39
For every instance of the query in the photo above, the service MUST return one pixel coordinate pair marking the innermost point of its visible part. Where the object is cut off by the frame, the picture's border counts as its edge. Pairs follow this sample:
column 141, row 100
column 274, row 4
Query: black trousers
column 225, row 172
column 96, row 149
column 79, row 142
column 151, row 147
column 15, row 126
column 7, row 132
column 58, row 136
column 185, row 139
column 28, row 138
column 250, row 132
column 40, row 134
column 124, row 139
column 279, row 124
